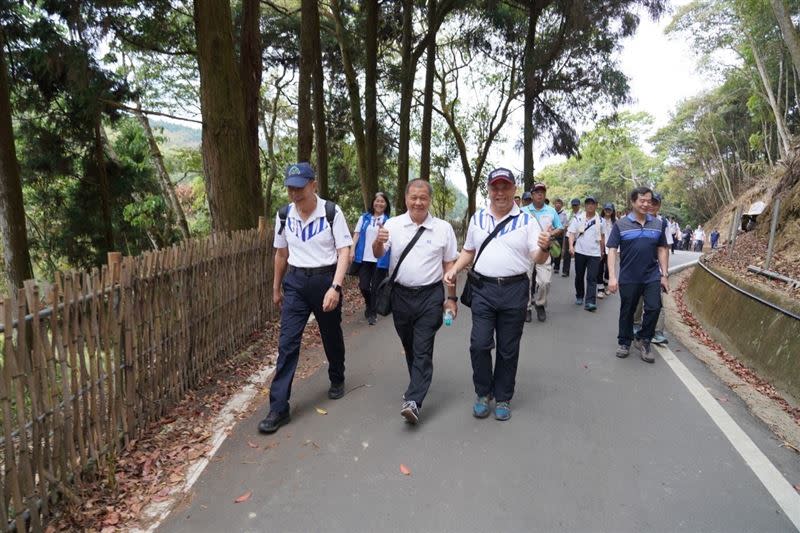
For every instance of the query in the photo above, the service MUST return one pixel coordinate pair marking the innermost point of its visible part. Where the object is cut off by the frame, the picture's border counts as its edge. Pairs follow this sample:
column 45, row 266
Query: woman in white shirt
column 371, row 271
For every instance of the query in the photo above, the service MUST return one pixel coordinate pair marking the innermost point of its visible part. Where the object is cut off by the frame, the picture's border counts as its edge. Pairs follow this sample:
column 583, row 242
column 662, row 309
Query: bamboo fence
column 89, row 360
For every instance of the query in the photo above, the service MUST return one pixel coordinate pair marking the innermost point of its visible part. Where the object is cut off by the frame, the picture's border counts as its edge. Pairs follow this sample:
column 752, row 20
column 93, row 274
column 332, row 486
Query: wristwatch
column 336, row 287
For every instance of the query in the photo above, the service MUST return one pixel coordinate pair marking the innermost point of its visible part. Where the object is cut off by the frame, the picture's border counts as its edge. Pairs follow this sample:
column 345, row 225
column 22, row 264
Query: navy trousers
column 417, row 315
column 586, row 267
column 498, row 318
column 302, row 295
column 629, row 298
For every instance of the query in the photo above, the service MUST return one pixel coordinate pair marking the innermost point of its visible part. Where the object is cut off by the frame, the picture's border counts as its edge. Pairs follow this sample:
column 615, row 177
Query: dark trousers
column 586, row 269
column 602, row 272
column 498, row 318
column 302, row 295
column 417, row 315
column 566, row 259
column 369, row 277
column 629, row 298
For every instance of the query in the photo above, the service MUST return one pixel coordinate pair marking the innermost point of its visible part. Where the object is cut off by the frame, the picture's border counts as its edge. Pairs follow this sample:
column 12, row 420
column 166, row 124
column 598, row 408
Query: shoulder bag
column 472, row 278
column 383, row 293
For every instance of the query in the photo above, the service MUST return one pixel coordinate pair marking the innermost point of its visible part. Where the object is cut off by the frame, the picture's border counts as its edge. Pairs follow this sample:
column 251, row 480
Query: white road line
column 781, row 490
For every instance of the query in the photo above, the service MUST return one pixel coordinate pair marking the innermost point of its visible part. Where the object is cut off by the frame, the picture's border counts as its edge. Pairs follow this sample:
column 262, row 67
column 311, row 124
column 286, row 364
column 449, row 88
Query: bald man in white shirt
column 418, row 297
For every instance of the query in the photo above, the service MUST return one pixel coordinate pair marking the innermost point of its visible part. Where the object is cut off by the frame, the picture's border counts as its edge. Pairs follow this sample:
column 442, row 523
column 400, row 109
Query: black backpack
column 330, row 214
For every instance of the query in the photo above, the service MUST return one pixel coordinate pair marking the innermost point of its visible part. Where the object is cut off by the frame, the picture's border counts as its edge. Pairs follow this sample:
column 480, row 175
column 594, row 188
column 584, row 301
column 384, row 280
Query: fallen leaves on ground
column 244, row 497
column 744, row 372
column 404, row 470
column 252, row 444
column 322, row 411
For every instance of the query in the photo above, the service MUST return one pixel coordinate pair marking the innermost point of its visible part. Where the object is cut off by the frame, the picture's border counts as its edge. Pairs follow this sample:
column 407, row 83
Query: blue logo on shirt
column 487, row 223
column 309, row 232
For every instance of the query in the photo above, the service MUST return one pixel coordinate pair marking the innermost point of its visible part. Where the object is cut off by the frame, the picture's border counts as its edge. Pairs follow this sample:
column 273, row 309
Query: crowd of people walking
column 408, row 265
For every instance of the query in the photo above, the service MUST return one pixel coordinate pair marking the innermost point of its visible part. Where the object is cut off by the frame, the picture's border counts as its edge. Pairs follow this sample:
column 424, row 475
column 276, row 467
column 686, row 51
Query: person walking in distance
column 548, row 221
column 699, row 238
column 609, row 216
column 562, row 217
column 371, row 271
column 418, row 297
column 566, row 258
column 586, row 244
column 639, row 240
column 714, row 239
column 507, row 240
column 312, row 243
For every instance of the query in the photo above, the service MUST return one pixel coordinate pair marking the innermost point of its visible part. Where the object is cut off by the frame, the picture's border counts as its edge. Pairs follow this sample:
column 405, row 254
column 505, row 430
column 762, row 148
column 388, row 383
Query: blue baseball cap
column 609, row 205
column 298, row 175
column 589, row 199
column 501, row 174
column 656, row 198
column 527, row 196
column 575, row 201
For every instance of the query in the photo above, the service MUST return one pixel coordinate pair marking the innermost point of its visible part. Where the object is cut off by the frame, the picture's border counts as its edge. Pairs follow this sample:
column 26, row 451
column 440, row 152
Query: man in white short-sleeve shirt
column 586, row 242
column 418, row 298
column 312, row 243
column 500, row 290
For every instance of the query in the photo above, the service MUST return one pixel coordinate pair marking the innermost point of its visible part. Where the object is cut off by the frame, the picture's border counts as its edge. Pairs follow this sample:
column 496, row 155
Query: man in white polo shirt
column 586, row 243
column 312, row 244
column 418, row 298
column 500, row 290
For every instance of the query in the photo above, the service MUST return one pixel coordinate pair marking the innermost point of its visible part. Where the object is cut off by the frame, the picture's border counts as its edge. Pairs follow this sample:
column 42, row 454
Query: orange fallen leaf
column 404, row 470
column 252, row 444
column 244, row 497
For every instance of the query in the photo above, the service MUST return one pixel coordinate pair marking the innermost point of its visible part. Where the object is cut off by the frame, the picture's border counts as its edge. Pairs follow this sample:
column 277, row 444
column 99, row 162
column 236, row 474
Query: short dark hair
column 640, row 191
column 420, row 182
column 388, row 211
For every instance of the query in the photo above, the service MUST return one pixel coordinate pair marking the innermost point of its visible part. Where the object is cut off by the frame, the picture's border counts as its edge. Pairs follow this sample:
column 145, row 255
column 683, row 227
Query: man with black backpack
column 312, row 243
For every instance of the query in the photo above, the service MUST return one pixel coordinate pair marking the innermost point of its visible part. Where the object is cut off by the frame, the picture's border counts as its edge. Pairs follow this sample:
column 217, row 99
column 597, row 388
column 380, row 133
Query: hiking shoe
column 502, row 411
column 273, row 422
column 578, row 301
column 591, row 307
column 541, row 315
column 623, row 351
column 372, row 320
column 601, row 294
column 528, row 316
column 481, row 407
column 410, row 412
column 646, row 353
column 659, row 338
column 336, row 391
column 366, row 314
column 565, row 274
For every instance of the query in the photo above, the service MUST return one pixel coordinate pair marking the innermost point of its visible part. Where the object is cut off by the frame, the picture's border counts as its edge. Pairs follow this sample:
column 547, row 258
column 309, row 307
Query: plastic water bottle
column 448, row 318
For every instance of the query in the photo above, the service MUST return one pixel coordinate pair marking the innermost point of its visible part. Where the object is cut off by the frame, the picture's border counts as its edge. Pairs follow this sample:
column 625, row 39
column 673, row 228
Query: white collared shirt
column 509, row 253
column 369, row 235
column 588, row 242
column 423, row 264
column 311, row 243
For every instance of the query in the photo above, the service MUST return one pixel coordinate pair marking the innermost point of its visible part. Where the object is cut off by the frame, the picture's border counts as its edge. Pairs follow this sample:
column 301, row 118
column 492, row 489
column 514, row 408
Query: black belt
column 501, row 281
column 417, row 289
column 313, row 271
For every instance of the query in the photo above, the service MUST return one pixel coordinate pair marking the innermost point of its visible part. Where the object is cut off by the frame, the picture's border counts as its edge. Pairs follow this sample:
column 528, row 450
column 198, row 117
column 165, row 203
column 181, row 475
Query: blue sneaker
column 578, row 301
column 502, row 411
column 591, row 307
column 659, row 338
column 481, row 407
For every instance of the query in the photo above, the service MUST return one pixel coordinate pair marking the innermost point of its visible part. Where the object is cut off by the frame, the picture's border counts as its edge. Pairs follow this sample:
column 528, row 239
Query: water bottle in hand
column 448, row 317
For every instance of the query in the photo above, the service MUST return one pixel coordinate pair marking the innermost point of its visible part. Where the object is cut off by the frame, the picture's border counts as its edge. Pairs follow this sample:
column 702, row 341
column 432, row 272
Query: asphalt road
column 595, row 444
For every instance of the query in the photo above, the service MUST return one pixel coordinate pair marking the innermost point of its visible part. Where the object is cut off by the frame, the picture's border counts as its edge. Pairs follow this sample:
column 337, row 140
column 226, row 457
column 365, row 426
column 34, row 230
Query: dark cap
column 526, row 195
column 656, row 198
column 589, row 199
column 575, row 201
column 501, row 174
column 298, row 175
column 609, row 205
column 539, row 185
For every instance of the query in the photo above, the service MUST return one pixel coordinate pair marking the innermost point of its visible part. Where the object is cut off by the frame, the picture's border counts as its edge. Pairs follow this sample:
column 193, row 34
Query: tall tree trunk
column 529, row 95
column 305, row 134
column 320, row 126
column 370, row 93
column 163, row 176
column 368, row 187
column 783, row 133
column 269, row 135
column 16, row 256
column 407, row 75
column 788, row 31
column 224, row 142
column 427, row 106
column 103, row 184
column 250, row 71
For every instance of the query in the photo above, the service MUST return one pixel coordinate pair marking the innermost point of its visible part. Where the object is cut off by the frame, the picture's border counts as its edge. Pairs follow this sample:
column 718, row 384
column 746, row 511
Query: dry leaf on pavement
column 322, row 411
column 244, row 497
column 404, row 470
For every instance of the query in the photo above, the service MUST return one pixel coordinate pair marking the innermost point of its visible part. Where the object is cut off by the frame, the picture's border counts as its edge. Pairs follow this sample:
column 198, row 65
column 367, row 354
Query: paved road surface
column 595, row 444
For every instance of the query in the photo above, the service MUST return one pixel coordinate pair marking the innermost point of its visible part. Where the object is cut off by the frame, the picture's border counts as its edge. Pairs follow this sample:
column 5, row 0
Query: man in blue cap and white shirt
column 312, row 243
column 548, row 221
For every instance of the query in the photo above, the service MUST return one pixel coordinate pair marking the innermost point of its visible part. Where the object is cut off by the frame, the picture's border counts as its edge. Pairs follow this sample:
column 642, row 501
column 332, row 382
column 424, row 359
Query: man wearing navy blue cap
column 312, row 242
column 586, row 244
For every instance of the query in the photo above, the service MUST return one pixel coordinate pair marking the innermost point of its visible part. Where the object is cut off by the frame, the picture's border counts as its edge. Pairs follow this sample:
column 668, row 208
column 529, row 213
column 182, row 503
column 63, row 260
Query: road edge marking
column 779, row 488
